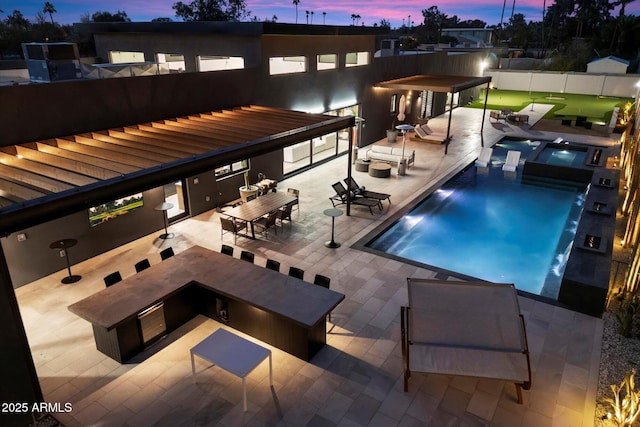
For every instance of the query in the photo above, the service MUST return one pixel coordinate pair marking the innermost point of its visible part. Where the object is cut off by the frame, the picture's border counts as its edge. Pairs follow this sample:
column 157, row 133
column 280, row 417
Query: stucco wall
column 556, row 82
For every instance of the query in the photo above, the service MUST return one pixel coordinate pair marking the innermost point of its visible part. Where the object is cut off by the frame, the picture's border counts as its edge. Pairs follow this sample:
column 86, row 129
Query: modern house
column 314, row 79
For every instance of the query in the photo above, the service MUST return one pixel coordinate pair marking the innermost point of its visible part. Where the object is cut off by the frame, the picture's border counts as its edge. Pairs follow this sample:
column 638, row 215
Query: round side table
column 164, row 207
column 380, row 170
column 65, row 244
column 333, row 213
column 362, row 165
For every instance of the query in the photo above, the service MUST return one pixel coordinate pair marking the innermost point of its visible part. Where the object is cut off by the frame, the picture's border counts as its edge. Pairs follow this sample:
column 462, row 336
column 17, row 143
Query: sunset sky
column 338, row 13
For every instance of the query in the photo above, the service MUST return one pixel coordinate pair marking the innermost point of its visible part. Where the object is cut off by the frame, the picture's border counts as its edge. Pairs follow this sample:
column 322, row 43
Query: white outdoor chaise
column 485, row 157
column 426, row 134
column 470, row 329
column 513, row 158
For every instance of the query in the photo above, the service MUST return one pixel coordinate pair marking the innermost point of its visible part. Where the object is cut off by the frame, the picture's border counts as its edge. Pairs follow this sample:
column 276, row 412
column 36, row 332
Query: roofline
column 228, row 28
column 33, row 212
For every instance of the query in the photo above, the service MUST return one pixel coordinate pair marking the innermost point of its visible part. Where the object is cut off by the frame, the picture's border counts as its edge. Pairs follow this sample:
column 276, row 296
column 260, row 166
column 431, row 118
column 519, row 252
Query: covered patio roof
column 49, row 179
column 435, row 83
column 438, row 83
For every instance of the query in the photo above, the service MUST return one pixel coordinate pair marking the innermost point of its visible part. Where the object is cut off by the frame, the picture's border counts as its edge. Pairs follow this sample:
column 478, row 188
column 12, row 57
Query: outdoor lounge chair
column 361, row 191
column 513, row 158
column 341, row 198
column 424, row 133
column 497, row 116
column 484, row 159
column 472, row 329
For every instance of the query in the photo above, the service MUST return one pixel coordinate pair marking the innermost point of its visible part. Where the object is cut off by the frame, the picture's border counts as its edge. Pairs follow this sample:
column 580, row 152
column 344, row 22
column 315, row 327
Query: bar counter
column 283, row 311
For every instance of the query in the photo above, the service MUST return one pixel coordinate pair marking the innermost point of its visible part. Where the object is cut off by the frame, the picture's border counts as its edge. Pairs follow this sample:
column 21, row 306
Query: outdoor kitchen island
column 280, row 310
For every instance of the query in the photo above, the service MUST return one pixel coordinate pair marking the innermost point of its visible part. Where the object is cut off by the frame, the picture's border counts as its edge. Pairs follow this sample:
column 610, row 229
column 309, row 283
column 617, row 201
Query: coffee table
column 380, row 170
column 234, row 354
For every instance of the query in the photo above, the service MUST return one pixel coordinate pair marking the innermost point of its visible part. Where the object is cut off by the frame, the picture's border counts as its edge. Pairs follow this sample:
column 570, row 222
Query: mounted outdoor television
column 108, row 211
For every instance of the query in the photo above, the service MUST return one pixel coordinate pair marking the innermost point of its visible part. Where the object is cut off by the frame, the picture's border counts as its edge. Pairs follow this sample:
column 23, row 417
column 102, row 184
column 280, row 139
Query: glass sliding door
column 175, row 193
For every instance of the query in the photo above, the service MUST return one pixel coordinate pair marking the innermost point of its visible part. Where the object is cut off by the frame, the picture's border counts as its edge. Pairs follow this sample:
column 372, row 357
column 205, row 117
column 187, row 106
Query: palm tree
column 50, row 9
column 324, row 15
column 353, row 19
column 296, row 3
column 307, row 17
column 312, row 17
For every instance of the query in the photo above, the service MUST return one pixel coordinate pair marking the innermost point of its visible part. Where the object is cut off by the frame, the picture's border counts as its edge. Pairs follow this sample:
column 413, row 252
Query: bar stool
column 142, row 265
column 273, row 265
column 296, row 272
column 247, row 256
column 166, row 253
column 227, row 250
column 112, row 278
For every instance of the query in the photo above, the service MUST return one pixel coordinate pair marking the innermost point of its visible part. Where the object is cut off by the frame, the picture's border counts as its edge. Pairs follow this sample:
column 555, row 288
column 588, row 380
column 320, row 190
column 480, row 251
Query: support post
column 349, row 158
column 484, row 113
column 446, row 147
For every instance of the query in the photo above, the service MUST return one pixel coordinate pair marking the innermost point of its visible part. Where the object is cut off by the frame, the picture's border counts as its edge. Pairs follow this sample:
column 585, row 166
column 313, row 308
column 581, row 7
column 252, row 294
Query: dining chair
column 166, row 253
column 295, row 193
column 226, row 250
column 272, row 264
column 267, row 222
column 296, row 272
column 112, row 278
column 323, row 281
column 142, row 265
column 231, row 226
column 285, row 213
column 247, row 256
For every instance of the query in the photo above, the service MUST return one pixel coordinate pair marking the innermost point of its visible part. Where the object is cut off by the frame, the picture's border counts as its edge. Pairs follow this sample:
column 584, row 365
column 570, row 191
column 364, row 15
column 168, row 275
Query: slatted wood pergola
column 49, row 179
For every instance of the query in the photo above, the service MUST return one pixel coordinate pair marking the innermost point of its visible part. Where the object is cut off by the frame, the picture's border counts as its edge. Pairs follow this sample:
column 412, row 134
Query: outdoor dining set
column 263, row 213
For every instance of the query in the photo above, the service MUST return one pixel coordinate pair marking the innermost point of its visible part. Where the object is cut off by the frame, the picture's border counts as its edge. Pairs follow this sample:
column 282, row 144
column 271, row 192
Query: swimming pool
column 493, row 226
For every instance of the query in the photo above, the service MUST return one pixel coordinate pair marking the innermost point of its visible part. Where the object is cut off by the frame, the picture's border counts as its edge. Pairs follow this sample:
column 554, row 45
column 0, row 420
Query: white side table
column 234, row 354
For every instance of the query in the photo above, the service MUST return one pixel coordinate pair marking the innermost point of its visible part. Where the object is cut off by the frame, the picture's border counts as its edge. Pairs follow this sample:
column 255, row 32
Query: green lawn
column 565, row 105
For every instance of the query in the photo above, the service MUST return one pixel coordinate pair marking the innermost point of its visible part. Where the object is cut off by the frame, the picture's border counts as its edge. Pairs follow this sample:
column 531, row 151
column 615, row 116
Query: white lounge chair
column 513, row 158
column 472, row 329
column 558, row 140
column 424, row 133
column 485, row 157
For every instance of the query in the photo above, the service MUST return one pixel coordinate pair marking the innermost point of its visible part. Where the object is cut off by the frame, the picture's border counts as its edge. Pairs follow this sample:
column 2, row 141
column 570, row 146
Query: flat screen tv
column 107, row 211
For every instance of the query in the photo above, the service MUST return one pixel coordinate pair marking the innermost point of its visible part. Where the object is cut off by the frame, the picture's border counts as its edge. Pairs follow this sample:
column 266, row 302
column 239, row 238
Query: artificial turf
column 597, row 109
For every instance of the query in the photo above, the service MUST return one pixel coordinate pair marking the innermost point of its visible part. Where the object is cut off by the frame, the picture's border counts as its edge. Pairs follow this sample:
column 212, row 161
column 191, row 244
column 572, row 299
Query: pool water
column 562, row 156
column 493, row 226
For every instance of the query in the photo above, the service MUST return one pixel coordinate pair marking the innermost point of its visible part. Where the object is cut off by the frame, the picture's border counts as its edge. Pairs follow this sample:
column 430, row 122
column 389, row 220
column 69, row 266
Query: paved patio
column 356, row 380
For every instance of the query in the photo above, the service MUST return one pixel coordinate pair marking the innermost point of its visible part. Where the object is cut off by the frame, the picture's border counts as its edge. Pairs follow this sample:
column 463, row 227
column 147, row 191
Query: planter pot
column 246, row 192
column 392, row 135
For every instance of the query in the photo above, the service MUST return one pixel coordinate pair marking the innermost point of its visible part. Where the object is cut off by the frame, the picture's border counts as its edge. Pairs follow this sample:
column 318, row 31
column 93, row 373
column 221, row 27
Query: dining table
column 259, row 207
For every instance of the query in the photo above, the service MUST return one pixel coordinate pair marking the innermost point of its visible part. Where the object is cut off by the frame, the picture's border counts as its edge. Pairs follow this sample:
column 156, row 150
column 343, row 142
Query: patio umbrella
column 404, row 128
column 401, row 108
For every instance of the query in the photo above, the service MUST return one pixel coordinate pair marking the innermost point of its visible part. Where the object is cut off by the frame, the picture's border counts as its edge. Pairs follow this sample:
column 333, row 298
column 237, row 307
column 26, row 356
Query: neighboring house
column 608, row 65
column 470, row 37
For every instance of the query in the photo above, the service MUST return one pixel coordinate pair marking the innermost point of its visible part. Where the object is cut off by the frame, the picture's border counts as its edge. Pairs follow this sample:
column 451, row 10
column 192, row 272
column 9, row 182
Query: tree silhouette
column 324, row 15
column 312, row 17
column 212, row 10
column 50, row 9
column 17, row 20
column 296, row 3
column 119, row 16
column 307, row 17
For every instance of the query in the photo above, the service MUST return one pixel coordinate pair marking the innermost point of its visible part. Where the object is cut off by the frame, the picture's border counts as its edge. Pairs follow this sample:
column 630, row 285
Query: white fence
column 623, row 85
